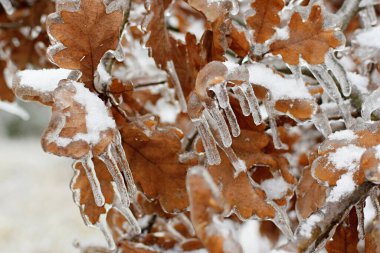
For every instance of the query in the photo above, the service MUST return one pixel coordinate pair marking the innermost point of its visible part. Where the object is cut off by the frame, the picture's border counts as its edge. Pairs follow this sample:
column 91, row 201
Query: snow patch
column 44, row 80
column 275, row 188
column 347, row 157
column 343, row 135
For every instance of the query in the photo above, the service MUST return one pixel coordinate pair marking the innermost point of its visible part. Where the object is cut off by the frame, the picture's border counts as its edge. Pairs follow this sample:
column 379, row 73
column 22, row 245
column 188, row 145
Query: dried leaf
column 265, row 19
column 83, row 36
column 307, row 39
column 207, row 209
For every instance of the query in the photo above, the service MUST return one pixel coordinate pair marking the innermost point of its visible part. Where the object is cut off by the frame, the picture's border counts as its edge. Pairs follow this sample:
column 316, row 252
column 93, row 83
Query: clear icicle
column 221, row 93
column 375, row 200
column 339, row 73
column 208, row 141
column 359, row 213
column 253, row 103
column 88, row 166
column 235, row 7
column 102, row 225
column 122, row 160
column 371, row 103
column 323, row 77
column 321, row 122
column 177, row 86
column 113, row 169
column 365, row 18
column 273, row 126
column 8, row 7
column 282, row 222
column 134, row 228
column 239, row 93
column 221, row 124
column 231, row 117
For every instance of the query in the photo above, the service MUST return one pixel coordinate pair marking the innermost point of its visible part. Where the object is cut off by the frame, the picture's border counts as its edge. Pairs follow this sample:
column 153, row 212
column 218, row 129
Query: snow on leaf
column 207, row 208
column 265, row 19
column 307, row 39
column 82, row 35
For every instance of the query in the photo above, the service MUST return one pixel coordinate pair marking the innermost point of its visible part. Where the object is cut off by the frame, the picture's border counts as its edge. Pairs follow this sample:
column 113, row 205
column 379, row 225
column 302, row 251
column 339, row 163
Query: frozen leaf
column 307, row 39
column 84, row 198
column 213, row 9
column 265, row 19
column 82, row 35
column 345, row 239
column 207, row 209
column 153, row 154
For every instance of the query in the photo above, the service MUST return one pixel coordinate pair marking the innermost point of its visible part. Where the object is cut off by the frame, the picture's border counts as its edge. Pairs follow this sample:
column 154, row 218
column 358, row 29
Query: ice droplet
column 327, row 82
column 208, row 141
column 177, row 85
column 253, row 102
column 359, row 213
column 371, row 103
column 89, row 168
column 213, row 115
column 7, row 5
column 339, row 73
column 273, row 126
column 111, row 164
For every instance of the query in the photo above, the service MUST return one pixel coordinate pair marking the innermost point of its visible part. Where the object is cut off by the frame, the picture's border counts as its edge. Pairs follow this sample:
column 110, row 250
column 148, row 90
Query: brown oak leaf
column 307, row 39
column 265, row 19
column 82, row 37
column 207, row 209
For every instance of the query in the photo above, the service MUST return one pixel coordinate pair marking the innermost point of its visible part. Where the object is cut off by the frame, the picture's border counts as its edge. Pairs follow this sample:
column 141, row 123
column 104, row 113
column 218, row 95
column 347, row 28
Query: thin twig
column 143, row 85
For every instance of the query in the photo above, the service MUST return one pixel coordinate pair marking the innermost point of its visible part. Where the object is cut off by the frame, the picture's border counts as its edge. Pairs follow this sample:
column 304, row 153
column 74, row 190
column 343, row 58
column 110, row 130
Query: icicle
column 364, row 18
column 321, row 74
column 221, row 93
column 235, row 7
column 186, row 222
column 134, row 228
column 102, row 225
column 375, row 201
column 122, row 160
column 237, row 163
column 253, row 102
column 273, row 126
column 339, row 73
column 371, row 103
column 7, row 5
column 359, row 213
column 239, row 93
column 321, row 122
column 88, row 166
column 113, row 169
column 221, row 124
column 177, row 85
column 282, row 222
column 208, row 141
column 372, row 15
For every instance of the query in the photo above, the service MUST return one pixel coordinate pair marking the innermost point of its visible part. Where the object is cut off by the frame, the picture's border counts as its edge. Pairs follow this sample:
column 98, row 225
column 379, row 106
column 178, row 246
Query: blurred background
column 37, row 212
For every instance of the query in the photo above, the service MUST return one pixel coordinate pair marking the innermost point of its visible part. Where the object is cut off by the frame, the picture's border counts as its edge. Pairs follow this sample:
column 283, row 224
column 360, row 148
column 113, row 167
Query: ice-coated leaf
column 81, row 35
column 307, row 39
column 265, row 19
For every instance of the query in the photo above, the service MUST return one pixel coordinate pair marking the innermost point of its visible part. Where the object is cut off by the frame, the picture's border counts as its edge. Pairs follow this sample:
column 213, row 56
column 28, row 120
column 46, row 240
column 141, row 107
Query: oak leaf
column 265, row 19
column 307, row 39
column 81, row 37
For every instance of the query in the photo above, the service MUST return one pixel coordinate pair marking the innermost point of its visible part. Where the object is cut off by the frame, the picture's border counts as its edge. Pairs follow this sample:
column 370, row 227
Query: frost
column 343, row 135
column 44, row 80
column 344, row 186
column 307, row 227
column 280, row 87
column 369, row 38
column 275, row 188
column 347, row 157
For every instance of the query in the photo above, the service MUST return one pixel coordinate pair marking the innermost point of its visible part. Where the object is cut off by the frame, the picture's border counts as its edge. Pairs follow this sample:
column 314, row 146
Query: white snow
column 14, row 108
column 280, row 87
column 346, row 157
column 166, row 110
column 369, row 37
column 307, row 227
column 344, row 186
column 44, row 80
column 377, row 148
column 348, row 135
column 275, row 188
column 359, row 81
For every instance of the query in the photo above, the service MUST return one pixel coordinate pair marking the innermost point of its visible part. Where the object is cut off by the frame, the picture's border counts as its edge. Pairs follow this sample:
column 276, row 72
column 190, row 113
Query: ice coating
column 88, row 166
column 360, row 215
column 177, row 85
column 339, row 72
column 371, row 103
column 8, row 7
